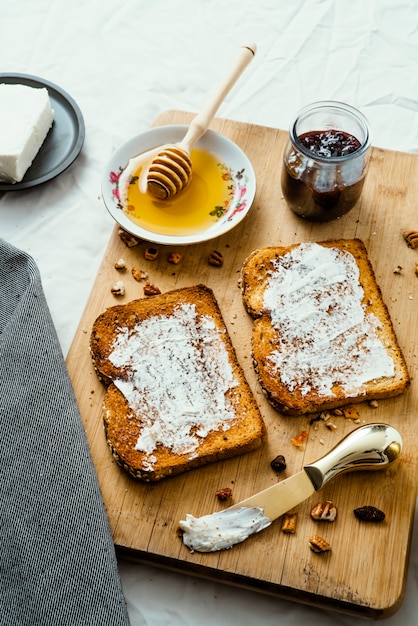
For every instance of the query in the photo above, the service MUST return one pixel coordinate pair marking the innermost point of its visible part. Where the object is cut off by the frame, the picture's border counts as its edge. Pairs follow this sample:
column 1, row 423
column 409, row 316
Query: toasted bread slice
column 322, row 335
column 177, row 397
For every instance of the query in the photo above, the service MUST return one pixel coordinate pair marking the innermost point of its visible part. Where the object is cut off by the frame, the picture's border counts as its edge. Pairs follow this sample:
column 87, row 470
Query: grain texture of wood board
column 365, row 572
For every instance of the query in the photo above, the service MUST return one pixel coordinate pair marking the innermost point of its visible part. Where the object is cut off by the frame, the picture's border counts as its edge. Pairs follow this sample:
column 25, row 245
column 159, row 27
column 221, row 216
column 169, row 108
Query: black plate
column 64, row 140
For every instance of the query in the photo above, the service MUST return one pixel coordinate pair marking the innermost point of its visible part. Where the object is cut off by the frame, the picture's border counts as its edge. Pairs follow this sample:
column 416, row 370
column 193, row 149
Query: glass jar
column 325, row 160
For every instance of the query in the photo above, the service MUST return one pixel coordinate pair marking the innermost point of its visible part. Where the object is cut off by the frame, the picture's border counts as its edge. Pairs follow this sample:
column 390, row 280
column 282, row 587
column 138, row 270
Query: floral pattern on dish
column 114, row 178
column 237, row 190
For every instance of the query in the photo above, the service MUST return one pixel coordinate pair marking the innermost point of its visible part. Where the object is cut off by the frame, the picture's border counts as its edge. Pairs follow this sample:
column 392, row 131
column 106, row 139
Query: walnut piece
column 138, row 274
column 120, row 264
column 174, row 257
column 216, row 259
column 411, row 238
column 129, row 240
column 118, row 289
column 278, row 463
column 151, row 290
column 324, row 511
column 224, row 493
column 151, row 253
column 318, row 544
column 369, row 514
column 325, row 415
column 289, row 523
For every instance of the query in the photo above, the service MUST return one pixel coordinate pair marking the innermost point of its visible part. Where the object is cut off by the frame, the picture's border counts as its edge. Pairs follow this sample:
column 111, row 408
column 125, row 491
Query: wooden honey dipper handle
column 200, row 123
column 171, row 170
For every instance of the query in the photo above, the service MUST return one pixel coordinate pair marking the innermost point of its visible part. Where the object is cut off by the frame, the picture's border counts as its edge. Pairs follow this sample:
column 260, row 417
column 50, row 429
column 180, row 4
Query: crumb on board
column 299, row 440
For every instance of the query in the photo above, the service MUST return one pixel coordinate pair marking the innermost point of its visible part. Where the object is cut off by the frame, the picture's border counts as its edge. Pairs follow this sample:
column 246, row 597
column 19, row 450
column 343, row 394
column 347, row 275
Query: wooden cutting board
column 365, row 572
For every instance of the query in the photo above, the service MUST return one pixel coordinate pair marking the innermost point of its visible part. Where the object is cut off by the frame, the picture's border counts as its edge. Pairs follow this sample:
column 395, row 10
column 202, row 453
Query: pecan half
column 318, row 544
column 411, row 238
column 324, row 511
column 151, row 290
column 216, row 258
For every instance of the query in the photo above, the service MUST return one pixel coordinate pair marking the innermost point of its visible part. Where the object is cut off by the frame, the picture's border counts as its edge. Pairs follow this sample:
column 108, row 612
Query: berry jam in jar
column 325, row 161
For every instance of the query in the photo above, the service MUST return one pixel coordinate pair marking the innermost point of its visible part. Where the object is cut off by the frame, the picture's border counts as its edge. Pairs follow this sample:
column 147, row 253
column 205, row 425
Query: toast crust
column 285, row 391
column 240, row 429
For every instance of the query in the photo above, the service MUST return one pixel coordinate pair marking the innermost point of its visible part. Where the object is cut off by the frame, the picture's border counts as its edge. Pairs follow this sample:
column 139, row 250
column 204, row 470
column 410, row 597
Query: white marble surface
column 124, row 63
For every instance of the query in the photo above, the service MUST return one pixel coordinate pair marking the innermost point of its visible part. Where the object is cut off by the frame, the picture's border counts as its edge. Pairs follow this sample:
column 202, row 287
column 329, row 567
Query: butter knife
column 370, row 447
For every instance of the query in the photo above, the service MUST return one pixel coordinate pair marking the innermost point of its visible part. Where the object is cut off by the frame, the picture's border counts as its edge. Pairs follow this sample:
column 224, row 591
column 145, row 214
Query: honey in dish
column 195, row 209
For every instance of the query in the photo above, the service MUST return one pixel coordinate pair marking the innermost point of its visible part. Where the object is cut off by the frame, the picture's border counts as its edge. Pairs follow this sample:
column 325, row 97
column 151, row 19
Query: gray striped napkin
column 57, row 558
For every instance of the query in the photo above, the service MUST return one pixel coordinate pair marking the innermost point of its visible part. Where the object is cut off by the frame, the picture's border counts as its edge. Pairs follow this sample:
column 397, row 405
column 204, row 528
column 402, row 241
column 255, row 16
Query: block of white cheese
column 26, row 116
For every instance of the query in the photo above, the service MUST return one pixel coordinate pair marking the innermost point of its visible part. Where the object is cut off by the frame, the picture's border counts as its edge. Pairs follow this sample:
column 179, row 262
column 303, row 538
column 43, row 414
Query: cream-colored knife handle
column 200, row 123
column 372, row 446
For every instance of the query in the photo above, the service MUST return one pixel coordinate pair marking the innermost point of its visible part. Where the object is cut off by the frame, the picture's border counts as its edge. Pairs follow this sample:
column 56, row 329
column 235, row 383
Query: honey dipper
column 171, row 169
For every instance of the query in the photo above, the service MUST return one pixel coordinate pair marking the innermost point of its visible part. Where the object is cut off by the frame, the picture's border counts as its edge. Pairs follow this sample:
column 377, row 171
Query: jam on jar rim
column 339, row 107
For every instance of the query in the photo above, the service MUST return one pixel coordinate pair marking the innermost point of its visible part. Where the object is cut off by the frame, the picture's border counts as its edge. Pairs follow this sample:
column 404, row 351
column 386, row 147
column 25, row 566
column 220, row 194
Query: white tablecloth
column 126, row 62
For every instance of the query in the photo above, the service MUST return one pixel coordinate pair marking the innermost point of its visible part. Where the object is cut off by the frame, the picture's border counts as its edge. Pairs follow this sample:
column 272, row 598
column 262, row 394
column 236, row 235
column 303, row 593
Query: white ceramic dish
column 233, row 163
